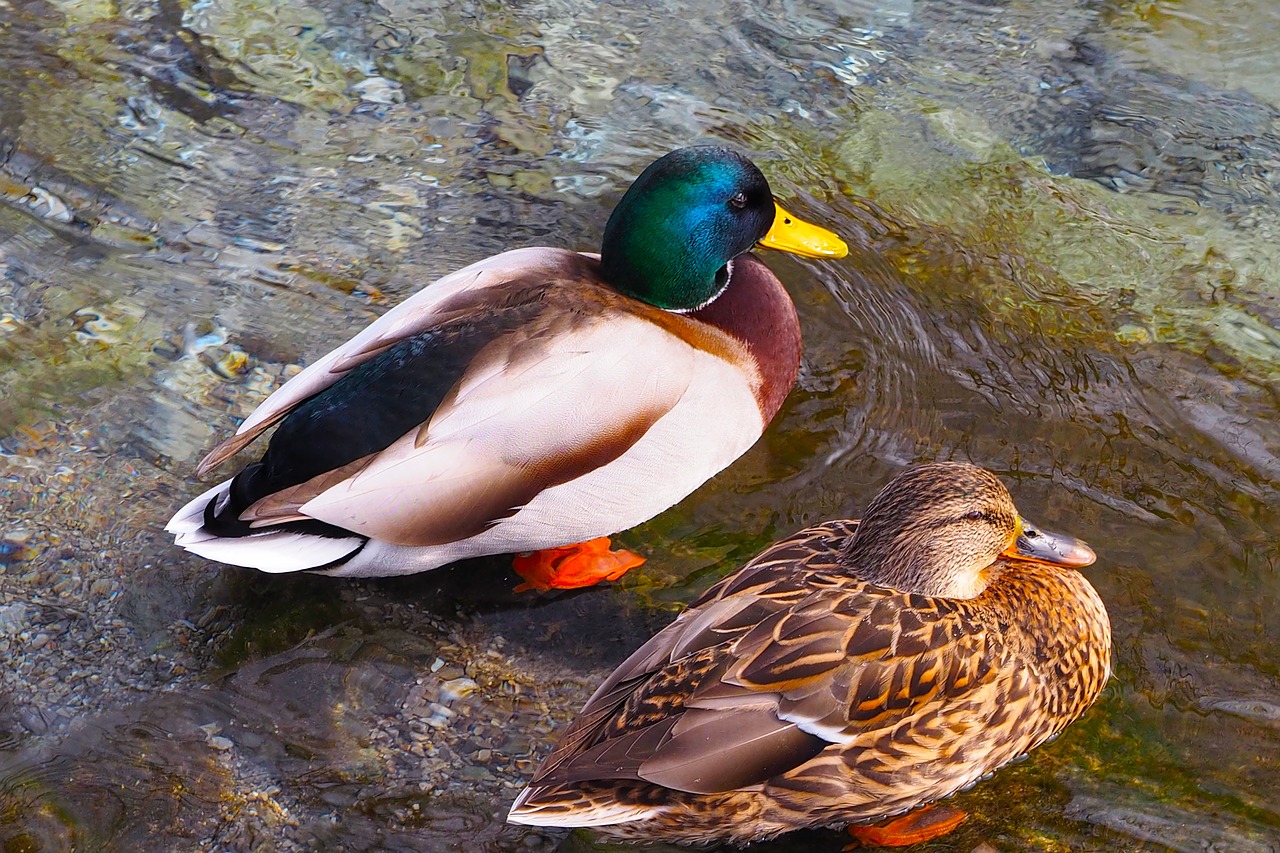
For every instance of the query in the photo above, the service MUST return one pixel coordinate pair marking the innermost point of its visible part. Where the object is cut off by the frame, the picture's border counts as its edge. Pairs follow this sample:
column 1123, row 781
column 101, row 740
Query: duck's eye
column 975, row 515
column 739, row 200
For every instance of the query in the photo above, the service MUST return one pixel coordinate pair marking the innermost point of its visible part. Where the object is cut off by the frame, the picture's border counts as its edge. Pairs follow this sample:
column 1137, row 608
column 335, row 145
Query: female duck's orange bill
column 792, row 234
column 1036, row 543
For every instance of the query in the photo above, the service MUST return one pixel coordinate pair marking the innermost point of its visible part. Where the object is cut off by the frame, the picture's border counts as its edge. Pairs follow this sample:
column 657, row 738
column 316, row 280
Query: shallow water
column 1062, row 221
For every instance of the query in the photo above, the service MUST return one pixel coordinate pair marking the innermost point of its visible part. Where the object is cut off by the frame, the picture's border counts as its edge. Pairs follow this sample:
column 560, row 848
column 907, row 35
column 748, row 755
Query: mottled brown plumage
column 849, row 673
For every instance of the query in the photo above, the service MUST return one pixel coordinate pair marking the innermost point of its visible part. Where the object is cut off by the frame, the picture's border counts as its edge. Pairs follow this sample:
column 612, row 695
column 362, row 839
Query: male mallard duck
column 853, row 672
column 534, row 399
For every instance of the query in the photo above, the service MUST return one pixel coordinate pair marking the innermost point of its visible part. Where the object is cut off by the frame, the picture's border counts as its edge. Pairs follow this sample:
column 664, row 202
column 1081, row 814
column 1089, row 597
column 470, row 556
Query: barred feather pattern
column 793, row 694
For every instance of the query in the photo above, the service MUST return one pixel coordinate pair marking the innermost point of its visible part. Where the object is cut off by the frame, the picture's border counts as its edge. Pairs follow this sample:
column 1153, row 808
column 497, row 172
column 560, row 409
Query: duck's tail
column 209, row 526
column 572, row 806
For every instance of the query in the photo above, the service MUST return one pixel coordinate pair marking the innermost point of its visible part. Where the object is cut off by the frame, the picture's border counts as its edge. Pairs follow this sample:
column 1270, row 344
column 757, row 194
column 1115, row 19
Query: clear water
column 1063, row 220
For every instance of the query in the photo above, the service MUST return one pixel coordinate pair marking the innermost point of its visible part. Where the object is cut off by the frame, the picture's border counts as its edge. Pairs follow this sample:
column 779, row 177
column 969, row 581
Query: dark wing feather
column 721, row 750
column 498, row 284
column 392, row 391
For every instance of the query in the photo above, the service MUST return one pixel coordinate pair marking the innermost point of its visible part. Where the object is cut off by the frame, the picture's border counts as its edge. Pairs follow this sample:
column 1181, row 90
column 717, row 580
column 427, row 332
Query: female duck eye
column 739, row 200
column 974, row 515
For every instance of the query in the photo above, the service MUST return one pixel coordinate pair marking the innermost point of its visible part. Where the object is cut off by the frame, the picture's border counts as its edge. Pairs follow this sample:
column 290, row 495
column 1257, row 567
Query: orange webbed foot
column 923, row 824
column 574, row 566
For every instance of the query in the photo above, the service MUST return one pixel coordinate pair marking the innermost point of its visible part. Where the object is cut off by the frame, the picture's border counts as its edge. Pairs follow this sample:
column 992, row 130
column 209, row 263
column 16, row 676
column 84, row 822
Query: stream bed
column 1064, row 266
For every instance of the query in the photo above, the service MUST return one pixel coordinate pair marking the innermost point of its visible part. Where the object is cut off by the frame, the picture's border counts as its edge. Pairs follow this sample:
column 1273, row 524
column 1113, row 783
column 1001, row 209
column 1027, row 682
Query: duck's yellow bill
column 792, row 234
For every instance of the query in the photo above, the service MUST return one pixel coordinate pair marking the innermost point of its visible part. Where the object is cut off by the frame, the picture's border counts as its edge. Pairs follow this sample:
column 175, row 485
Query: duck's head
column 941, row 529
column 670, row 241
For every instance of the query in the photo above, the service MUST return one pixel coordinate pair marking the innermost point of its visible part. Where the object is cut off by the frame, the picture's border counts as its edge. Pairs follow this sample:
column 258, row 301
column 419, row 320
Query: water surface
column 1062, row 221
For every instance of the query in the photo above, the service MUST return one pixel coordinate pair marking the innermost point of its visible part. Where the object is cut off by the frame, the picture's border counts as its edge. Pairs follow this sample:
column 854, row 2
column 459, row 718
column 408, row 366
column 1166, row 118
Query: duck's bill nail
column 792, row 234
column 1036, row 543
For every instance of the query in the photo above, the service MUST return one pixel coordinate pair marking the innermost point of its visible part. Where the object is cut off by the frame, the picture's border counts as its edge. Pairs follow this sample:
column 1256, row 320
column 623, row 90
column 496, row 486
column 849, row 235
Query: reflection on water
column 1063, row 223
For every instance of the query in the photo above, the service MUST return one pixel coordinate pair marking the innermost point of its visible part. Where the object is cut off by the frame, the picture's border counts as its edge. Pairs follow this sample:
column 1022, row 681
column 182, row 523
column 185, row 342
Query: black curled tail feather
column 222, row 513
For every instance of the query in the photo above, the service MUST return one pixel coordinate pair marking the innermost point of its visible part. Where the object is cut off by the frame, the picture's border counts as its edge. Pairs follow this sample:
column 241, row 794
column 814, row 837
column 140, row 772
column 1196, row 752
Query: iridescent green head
column 671, row 237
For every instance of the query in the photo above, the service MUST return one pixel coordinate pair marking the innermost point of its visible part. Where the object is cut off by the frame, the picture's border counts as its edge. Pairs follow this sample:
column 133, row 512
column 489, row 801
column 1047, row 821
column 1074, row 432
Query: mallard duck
column 532, row 400
column 852, row 672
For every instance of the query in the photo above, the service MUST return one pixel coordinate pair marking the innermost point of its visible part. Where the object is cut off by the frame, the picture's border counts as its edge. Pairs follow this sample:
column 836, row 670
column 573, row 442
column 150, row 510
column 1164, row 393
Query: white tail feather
column 190, row 518
column 275, row 551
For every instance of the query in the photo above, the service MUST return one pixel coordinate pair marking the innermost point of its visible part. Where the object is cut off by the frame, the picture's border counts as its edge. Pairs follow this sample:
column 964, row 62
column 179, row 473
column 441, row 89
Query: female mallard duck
column 852, row 672
column 534, row 399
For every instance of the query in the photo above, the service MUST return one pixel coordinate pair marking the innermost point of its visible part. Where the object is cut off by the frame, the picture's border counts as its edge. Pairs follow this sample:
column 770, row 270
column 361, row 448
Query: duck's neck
column 910, row 563
column 756, row 309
